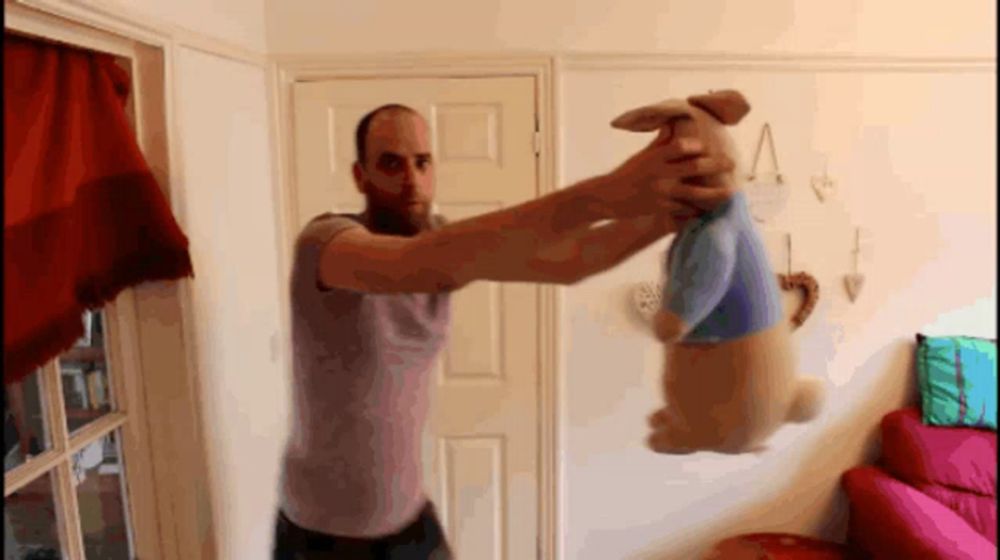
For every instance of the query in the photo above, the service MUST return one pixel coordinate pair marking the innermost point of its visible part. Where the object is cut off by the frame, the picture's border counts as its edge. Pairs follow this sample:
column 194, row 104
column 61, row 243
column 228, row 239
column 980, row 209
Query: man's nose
column 410, row 172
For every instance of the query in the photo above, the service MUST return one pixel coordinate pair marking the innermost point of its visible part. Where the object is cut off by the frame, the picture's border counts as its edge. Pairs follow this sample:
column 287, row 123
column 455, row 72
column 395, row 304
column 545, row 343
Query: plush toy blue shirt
column 719, row 278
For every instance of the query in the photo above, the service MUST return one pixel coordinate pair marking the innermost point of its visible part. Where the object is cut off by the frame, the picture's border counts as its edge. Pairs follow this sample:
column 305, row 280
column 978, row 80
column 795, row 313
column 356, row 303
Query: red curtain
column 83, row 216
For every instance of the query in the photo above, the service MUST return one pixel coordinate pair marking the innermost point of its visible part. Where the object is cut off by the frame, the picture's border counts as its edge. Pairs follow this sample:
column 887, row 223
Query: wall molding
column 306, row 68
column 55, row 29
column 128, row 23
column 608, row 60
column 604, row 61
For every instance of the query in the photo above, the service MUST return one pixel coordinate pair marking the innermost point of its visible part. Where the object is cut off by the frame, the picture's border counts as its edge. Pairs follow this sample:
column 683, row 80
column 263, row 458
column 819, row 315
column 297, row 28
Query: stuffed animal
column 729, row 377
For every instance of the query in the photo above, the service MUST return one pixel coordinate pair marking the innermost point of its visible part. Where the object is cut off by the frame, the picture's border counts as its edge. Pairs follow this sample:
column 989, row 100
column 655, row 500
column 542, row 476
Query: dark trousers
column 423, row 539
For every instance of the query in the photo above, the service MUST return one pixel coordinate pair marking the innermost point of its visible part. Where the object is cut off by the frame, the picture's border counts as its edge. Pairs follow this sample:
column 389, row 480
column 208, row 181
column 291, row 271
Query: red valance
column 83, row 216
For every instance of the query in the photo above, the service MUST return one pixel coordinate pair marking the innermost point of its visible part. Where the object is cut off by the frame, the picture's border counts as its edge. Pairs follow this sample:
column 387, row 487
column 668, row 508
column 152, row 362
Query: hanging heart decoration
column 853, row 283
column 646, row 298
column 767, row 197
column 808, row 287
column 803, row 283
column 767, row 193
column 823, row 186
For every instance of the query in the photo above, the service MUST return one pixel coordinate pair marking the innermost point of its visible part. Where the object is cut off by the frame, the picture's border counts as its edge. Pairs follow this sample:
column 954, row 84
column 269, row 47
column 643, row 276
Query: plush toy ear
column 652, row 117
column 728, row 106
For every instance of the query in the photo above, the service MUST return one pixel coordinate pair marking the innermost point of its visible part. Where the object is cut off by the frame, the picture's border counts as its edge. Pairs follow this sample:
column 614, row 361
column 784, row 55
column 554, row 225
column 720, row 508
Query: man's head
column 394, row 170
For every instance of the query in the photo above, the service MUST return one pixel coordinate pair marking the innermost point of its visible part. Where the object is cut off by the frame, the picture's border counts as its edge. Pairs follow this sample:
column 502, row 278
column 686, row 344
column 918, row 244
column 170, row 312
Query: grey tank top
column 361, row 374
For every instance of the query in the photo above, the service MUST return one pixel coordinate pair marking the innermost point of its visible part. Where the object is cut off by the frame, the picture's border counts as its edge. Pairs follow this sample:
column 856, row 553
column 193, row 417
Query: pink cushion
column 891, row 520
column 776, row 546
column 978, row 511
column 958, row 458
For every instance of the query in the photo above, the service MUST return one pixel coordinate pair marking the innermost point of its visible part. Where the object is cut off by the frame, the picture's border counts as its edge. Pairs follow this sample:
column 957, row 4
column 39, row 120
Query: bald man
column 370, row 313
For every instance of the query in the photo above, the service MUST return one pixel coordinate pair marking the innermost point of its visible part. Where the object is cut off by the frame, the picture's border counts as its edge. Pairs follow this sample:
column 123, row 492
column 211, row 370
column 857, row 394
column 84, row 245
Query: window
column 65, row 472
column 104, row 452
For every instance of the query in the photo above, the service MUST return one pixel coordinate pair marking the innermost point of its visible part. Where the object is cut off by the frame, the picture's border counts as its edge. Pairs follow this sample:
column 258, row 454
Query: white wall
column 913, row 157
column 890, row 27
column 226, row 178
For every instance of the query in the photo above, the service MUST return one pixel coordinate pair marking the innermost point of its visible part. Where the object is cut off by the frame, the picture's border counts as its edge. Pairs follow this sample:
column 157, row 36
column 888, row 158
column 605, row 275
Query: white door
column 481, row 446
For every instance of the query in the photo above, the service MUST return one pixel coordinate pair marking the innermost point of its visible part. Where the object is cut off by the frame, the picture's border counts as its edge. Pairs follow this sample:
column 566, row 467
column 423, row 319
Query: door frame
column 287, row 70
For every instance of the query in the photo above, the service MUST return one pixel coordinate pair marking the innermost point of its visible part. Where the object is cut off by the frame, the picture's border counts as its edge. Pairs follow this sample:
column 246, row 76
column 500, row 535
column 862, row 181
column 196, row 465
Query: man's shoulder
column 328, row 217
column 439, row 220
column 323, row 226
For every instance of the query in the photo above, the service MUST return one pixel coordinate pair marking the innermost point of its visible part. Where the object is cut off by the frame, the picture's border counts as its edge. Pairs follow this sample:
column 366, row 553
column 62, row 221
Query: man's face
column 397, row 178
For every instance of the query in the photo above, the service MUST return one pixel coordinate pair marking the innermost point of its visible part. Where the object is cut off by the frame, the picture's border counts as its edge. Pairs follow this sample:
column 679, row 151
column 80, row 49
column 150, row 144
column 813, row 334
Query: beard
column 399, row 218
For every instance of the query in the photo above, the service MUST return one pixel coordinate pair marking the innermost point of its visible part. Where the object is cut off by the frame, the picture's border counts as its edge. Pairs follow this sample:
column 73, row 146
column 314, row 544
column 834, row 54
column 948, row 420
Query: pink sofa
column 932, row 495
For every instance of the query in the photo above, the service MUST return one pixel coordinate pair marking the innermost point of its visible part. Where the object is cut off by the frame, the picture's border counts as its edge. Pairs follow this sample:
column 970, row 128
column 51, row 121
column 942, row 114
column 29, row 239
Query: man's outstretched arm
column 592, row 250
column 498, row 245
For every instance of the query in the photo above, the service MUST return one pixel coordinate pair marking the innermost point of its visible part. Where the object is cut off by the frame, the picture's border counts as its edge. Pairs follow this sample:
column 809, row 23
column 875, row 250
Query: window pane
column 85, row 381
column 100, row 486
column 25, row 430
column 29, row 521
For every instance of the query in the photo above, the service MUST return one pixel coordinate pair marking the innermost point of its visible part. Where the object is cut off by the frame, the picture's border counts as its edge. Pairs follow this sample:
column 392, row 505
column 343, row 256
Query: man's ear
column 652, row 117
column 728, row 106
column 359, row 177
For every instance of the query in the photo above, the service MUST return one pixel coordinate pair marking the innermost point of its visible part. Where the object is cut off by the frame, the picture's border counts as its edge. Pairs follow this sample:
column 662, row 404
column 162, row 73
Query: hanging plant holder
column 767, row 192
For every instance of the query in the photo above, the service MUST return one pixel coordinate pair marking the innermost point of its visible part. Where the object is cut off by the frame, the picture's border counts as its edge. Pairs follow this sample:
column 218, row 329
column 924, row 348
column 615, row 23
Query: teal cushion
column 957, row 376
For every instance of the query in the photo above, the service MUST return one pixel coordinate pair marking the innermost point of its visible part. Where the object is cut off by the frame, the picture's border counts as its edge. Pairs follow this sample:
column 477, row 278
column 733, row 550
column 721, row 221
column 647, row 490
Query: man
column 370, row 313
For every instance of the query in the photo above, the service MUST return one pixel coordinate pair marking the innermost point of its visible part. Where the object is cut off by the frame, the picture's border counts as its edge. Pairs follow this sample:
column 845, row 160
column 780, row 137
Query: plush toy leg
column 669, row 435
column 810, row 395
column 669, row 441
column 658, row 418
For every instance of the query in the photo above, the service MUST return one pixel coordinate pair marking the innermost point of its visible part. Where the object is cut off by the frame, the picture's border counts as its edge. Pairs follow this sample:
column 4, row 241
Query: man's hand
column 654, row 178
